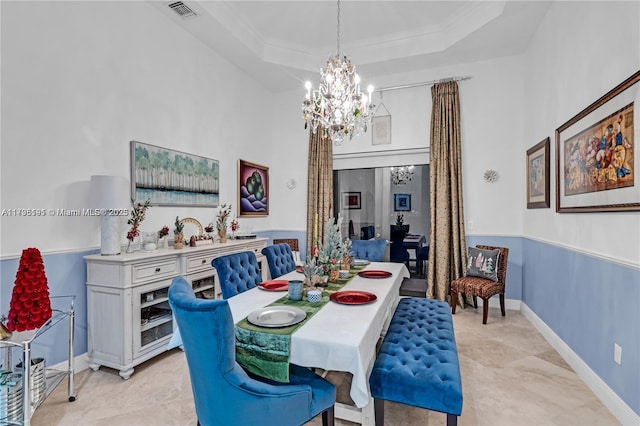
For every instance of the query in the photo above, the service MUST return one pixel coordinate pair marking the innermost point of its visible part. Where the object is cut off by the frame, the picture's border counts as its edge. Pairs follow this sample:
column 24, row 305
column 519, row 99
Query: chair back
column 372, row 250
column 280, row 259
column 223, row 393
column 237, row 272
column 502, row 261
column 367, row 232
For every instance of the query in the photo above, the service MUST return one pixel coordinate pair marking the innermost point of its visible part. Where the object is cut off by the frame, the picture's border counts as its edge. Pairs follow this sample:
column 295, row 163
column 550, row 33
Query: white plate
column 191, row 227
column 360, row 262
column 276, row 316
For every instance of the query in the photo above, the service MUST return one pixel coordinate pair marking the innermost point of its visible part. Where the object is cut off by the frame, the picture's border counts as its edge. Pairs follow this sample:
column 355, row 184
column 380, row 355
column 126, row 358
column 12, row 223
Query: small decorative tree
column 221, row 221
column 332, row 250
column 30, row 305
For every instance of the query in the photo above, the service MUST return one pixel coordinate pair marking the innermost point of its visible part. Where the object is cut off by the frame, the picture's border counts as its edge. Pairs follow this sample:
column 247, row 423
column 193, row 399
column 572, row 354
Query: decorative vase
column 346, row 263
column 223, row 235
column 165, row 242
column 314, row 296
column 178, row 240
column 334, row 275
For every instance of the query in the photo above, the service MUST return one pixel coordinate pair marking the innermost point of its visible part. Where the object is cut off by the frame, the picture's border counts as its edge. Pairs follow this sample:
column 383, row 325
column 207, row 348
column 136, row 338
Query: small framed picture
column 351, row 200
column 381, row 130
column 402, row 202
column 538, row 175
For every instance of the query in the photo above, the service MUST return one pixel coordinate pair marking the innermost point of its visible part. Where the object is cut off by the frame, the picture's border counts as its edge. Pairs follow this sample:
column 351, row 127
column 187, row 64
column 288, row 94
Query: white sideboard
column 128, row 315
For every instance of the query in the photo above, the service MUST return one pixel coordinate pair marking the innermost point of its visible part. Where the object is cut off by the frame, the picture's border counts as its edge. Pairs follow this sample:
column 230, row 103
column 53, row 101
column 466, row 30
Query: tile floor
column 510, row 376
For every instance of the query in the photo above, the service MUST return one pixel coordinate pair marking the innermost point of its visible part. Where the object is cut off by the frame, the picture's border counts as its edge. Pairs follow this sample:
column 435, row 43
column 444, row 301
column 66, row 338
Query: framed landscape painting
column 167, row 177
column 596, row 157
column 253, row 194
column 538, row 175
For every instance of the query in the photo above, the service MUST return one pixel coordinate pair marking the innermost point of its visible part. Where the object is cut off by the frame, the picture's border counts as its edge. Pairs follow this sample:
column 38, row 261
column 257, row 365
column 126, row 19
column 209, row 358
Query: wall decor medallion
column 253, row 194
column 167, row 177
column 596, row 163
column 538, row 175
column 491, row 176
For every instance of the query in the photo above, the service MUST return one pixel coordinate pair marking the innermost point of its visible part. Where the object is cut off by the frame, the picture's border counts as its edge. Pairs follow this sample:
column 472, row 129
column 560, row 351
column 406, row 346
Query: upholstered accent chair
column 237, row 272
column 482, row 287
column 224, row 394
column 372, row 250
column 280, row 259
column 421, row 261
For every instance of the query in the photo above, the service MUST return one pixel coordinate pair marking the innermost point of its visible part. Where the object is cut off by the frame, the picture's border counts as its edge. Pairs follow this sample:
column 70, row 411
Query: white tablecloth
column 339, row 337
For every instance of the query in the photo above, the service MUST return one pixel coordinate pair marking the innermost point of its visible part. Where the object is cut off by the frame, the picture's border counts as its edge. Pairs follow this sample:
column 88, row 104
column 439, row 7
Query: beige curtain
column 447, row 254
column 319, row 187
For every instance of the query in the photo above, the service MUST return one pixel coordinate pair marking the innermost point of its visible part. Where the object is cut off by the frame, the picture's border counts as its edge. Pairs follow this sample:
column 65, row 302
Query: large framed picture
column 351, row 200
column 538, row 175
column 253, row 193
column 167, row 177
column 402, row 202
column 596, row 161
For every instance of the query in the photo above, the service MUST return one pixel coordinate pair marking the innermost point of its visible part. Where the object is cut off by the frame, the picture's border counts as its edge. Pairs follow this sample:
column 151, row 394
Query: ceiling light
column 401, row 175
column 337, row 105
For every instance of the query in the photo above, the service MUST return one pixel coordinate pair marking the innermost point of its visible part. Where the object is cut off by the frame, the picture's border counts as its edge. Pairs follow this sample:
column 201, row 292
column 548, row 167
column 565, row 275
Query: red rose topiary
column 30, row 306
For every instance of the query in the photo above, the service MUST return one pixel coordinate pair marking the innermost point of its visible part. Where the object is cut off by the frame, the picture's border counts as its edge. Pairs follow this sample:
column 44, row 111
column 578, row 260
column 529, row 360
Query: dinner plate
column 191, row 227
column 360, row 262
column 276, row 316
column 274, row 285
column 353, row 297
column 300, row 268
column 374, row 273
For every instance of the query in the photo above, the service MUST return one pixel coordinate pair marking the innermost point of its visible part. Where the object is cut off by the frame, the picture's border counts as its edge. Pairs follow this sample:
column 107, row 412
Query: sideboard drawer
column 195, row 264
column 155, row 270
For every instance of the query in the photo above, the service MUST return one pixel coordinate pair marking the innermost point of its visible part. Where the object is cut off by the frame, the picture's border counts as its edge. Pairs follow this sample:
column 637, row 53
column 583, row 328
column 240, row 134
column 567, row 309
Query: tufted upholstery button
column 418, row 360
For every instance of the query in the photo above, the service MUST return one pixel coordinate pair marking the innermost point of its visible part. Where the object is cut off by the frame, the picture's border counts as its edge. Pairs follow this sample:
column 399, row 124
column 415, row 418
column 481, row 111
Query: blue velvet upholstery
column 237, row 272
column 280, row 259
column 418, row 360
column 223, row 392
column 372, row 250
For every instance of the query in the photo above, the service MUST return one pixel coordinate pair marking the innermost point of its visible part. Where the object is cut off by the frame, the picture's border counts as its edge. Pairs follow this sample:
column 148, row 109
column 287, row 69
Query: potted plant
column 137, row 216
column 178, row 237
column 221, row 222
column 162, row 234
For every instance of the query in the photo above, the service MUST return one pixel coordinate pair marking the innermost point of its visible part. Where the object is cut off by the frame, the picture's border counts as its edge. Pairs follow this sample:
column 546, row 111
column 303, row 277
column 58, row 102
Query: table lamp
column 109, row 194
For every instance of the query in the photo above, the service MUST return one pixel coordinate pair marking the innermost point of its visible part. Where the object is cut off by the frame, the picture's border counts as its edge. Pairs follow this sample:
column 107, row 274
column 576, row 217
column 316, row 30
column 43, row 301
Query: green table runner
column 265, row 351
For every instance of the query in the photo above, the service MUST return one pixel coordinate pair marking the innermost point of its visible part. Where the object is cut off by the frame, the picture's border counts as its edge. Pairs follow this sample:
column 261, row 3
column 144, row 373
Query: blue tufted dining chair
column 280, row 259
column 237, row 272
column 372, row 250
column 224, row 394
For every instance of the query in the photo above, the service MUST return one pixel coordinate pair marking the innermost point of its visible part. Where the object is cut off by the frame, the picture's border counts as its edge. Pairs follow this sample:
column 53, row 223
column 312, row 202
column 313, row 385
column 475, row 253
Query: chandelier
column 401, row 175
column 337, row 105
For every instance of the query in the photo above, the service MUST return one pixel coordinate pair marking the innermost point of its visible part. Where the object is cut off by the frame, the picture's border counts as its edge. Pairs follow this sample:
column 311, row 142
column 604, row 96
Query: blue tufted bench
column 418, row 362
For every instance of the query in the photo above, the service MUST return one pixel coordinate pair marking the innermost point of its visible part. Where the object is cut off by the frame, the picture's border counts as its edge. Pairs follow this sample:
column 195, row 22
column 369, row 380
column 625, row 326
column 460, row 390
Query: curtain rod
column 423, row 83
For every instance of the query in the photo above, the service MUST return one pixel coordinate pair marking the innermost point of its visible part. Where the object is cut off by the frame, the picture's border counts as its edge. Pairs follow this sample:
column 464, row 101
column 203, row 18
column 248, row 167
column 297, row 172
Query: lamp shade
column 109, row 193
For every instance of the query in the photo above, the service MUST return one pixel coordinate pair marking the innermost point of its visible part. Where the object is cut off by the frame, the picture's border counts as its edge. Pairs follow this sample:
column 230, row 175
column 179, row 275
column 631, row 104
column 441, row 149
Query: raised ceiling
column 282, row 43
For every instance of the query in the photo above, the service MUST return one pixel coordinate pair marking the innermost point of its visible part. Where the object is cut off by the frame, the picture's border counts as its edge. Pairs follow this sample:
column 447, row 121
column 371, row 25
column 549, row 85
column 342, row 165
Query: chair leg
column 452, row 419
column 485, row 310
column 328, row 417
column 475, row 301
column 502, row 304
column 454, row 302
column 378, row 408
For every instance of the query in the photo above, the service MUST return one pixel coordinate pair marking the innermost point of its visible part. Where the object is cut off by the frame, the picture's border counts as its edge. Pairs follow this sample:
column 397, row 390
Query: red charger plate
column 274, row 285
column 353, row 297
column 299, row 268
column 374, row 273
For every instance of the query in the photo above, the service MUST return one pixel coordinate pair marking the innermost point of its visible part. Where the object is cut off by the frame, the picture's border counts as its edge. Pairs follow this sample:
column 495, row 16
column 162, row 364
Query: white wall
column 82, row 79
column 581, row 51
column 492, row 130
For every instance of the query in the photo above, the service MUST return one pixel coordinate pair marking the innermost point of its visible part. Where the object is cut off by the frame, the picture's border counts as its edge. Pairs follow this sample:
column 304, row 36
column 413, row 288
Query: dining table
column 339, row 337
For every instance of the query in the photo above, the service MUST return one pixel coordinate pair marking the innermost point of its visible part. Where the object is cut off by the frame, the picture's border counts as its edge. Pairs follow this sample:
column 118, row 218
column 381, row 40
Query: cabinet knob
column 157, row 269
column 204, row 261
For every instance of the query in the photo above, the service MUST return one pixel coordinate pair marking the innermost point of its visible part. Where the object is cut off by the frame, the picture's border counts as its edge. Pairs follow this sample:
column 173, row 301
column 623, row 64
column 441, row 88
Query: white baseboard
column 510, row 304
column 609, row 398
column 80, row 363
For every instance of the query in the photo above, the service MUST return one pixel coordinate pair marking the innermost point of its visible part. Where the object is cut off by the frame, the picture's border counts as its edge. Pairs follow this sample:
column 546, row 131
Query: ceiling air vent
column 182, row 10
